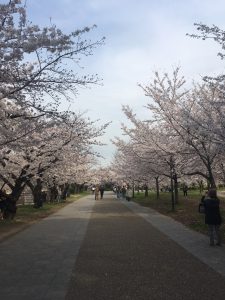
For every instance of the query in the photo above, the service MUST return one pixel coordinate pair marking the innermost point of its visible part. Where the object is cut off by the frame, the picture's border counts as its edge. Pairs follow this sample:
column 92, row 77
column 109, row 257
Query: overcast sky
column 141, row 36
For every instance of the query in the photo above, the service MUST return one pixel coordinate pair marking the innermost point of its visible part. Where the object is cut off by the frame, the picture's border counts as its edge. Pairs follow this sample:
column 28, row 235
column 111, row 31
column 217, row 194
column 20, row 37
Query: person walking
column 128, row 193
column 97, row 192
column 213, row 217
column 118, row 192
column 123, row 191
column 101, row 189
column 185, row 190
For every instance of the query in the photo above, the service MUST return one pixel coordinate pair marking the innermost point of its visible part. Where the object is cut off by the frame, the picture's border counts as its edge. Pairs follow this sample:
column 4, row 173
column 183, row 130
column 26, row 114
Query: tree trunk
column 157, row 187
column 37, row 194
column 65, row 189
column 212, row 183
column 211, row 180
column 176, row 195
column 8, row 204
column 133, row 188
column 171, row 164
column 53, row 193
column 76, row 188
column 146, row 190
column 172, row 190
column 138, row 189
column 36, row 190
column 201, row 186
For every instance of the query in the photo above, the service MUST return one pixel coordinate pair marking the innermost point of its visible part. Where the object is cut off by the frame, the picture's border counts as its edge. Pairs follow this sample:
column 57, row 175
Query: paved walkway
column 110, row 250
column 36, row 264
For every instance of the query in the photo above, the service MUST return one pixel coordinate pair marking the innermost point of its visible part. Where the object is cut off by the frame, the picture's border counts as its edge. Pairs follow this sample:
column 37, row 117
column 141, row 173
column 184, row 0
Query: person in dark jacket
column 185, row 190
column 123, row 191
column 101, row 189
column 213, row 217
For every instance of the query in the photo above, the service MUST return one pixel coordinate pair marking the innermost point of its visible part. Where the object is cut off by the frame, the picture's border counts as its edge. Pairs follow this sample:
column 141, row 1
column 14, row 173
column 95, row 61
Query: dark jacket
column 212, row 211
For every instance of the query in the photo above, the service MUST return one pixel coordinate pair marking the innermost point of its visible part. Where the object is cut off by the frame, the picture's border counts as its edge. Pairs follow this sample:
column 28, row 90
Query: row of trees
column 39, row 142
column 183, row 140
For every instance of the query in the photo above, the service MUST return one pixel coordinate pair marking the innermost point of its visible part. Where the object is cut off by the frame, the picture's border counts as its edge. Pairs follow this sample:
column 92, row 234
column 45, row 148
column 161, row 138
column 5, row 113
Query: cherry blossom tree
column 183, row 136
column 39, row 67
column 28, row 161
column 155, row 146
column 37, row 70
column 31, row 60
column 187, row 114
column 74, row 169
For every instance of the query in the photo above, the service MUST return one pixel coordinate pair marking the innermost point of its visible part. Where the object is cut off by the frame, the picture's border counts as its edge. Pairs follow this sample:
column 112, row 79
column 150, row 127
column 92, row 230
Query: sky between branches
column 141, row 37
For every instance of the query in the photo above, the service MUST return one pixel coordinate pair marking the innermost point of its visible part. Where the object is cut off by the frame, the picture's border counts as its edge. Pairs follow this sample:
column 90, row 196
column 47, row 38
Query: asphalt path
column 36, row 264
column 124, row 257
column 109, row 249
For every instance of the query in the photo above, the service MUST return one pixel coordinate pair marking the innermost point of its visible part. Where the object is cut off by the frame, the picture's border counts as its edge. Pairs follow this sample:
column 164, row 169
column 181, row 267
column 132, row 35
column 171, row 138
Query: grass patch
column 27, row 215
column 186, row 211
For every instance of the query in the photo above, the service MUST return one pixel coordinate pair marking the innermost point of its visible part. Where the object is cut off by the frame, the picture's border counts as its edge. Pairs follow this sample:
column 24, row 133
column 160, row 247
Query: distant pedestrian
column 213, row 217
column 128, row 193
column 118, row 192
column 123, row 191
column 97, row 192
column 101, row 189
column 185, row 190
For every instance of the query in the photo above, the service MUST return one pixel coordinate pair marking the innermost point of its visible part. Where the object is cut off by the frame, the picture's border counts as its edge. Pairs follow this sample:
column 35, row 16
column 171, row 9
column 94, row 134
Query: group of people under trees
column 123, row 191
column 98, row 190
